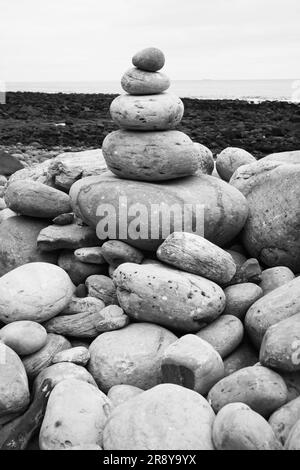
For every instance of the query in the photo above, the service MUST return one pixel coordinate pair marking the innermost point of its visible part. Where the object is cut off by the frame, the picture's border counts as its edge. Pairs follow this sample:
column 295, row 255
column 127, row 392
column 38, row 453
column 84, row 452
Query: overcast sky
column 63, row 40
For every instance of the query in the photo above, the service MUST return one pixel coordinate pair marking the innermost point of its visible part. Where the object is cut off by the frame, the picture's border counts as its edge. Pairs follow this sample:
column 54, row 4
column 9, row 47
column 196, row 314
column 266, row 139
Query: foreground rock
column 34, row 291
column 283, row 419
column 225, row 209
column 36, row 199
column 139, row 82
column 258, row 387
column 24, row 337
column 168, row 297
column 9, row 164
column 150, row 156
column 81, row 411
column 277, row 305
column 129, row 356
column 147, row 112
column 197, row 255
column 275, row 277
column 166, row 417
column 14, row 391
column 271, row 232
column 69, row 237
column 18, row 245
column 237, row 427
column 230, row 159
column 119, row 394
column 192, row 363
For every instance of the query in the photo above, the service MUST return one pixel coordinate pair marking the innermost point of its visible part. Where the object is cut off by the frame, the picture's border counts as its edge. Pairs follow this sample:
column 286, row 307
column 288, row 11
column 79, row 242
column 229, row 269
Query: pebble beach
column 126, row 329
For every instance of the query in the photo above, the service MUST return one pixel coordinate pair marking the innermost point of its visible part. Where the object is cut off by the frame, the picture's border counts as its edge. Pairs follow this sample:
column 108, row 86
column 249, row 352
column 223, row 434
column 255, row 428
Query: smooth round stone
column 78, row 355
column 230, row 159
column 240, row 297
column 224, row 334
column 150, row 59
column 34, row 291
column 36, row 199
column 223, row 207
column 14, row 390
column 284, row 157
column 6, row 214
column 205, row 158
column 147, row 112
column 271, row 232
column 139, row 82
column 150, row 156
column 18, row 246
column 275, row 277
column 103, row 288
column 91, row 254
column 24, row 337
column 116, row 252
column 167, row 417
column 129, row 356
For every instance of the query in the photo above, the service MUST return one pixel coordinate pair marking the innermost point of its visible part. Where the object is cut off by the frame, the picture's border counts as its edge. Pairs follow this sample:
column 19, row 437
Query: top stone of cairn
column 150, row 59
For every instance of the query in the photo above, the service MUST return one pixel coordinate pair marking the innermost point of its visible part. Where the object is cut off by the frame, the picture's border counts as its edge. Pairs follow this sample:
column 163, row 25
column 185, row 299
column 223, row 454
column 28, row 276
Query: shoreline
column 57, row 122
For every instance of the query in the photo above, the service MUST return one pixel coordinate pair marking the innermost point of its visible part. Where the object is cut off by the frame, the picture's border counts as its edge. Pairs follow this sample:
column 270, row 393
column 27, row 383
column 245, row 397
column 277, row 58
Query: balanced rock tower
column 150, row 162
column 147, row 147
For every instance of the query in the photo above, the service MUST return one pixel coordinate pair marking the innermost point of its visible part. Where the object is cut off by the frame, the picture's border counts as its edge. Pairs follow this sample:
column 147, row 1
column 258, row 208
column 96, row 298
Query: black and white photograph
column 149, row 228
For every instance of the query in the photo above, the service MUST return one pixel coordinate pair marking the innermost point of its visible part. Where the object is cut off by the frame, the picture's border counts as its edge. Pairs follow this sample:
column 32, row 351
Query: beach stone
column 205, row 159
column 117, row 252
column 130, row 356
column 37, row 172
column 24, row 337
column 230, row 159
column 240, row 297
column 150, row 156
column 91, row 254
column 237, row 427
column 14, row 390
column 224, row 334
column 284, row 157
column 6, row 214
column 150, row 59
column 280, row 348
column 34, row 291
column 243, row 356
column 84, row 304
column 168, row 297
column 9, row 164
column 275, row 277
column 196, row 255
column 223, row 208
column 258, row 387
column 238, row 257
column 38, row 361
column 62, row 371
column 78, row 355
column 193, row 363
column 147, row 112
column 139, row 82
column 36, row 199
column 119, row 394
column 2, row 204
column 18, row 245
column 271, row 232
column 277, row 305
column 81, row 290
column 68, row 237
column 103, row 288
column 293, row 440
column 64, row 219
column 77, row 270
column 283, row 419
column 292, row 381
column 167, row 417
column 249, row 271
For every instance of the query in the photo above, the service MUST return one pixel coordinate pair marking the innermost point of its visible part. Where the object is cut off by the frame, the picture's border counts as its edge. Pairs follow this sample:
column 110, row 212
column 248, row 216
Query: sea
column 249, row 90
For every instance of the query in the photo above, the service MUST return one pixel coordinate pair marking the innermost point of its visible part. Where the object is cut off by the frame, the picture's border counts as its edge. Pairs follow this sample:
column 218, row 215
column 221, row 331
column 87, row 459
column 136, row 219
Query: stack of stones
column 147, row 147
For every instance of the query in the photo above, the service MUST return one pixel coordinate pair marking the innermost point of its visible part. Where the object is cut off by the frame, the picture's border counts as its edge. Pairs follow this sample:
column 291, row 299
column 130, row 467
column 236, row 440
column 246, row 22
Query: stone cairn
column 87, row 326
column 147, row 147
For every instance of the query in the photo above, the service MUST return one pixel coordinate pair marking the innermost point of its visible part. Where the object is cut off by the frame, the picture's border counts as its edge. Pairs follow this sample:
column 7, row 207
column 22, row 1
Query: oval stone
column 147, row 112
column 151, row 59
column 150, row 156
column 222, row 208
column 139, row 82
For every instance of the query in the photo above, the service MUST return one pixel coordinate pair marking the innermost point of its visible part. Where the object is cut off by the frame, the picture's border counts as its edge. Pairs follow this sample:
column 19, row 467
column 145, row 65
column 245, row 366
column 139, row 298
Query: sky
column 91, row 40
